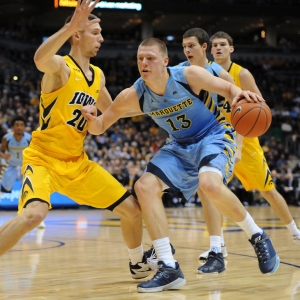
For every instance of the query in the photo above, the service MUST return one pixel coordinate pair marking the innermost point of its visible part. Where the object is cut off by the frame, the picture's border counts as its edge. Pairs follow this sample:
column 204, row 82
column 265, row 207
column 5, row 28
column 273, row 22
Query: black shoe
column 214, row 264
column 141, row 269
column 152, row 257
column 268, row 260
column 166, row 278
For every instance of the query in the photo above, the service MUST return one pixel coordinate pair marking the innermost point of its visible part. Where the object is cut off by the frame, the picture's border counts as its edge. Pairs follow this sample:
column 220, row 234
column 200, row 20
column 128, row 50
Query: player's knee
column 148, row 184
column 210, row 187
column 129, row 209
column 34, row 214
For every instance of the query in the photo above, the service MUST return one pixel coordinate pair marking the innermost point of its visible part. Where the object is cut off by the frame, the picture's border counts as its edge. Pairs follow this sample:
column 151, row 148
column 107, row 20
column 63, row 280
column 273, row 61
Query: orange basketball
column 251, row 119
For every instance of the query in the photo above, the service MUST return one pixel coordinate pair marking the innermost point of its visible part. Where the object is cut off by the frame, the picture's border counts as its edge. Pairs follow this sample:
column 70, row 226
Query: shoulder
column 184, row 63
column 27, row 135
column 245, row 74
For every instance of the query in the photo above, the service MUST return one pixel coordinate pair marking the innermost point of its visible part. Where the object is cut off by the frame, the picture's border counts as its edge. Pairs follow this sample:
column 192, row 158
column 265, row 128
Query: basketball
column 251, row 119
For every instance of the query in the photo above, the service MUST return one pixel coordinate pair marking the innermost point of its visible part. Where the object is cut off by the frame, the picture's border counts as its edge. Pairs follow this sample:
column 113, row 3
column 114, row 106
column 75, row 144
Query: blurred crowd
column 125, row 149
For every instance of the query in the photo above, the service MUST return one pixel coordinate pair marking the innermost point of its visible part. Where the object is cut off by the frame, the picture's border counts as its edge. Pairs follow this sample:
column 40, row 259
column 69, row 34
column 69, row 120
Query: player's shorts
column 10, row 175
column 82, row 180
column 253, row 170
column 178, row 164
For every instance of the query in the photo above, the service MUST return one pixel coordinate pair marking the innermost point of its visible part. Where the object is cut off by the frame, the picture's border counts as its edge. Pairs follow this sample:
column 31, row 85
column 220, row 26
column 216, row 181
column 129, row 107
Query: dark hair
column 155, row 42
column 68, row 19
column 16, row 119
column 222, row 35
column 201, row 35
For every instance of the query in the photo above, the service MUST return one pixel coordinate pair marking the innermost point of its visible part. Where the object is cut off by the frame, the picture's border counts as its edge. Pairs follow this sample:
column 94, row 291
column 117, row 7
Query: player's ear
column 76, row 36
column 204, row 46
column 231, row 49
column 166, row 61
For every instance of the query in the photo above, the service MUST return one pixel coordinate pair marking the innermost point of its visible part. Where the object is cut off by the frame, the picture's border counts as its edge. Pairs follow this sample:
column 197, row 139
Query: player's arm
column 104, row 98
column 3, row 150
column 248, row 82
column 45, row 58
column 126, row 101
column 200, row 79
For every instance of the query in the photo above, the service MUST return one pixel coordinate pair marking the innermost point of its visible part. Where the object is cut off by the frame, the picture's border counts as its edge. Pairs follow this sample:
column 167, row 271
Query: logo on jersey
column 45, row 115
column 172, row 109
column 82, row 98
column 175, row 92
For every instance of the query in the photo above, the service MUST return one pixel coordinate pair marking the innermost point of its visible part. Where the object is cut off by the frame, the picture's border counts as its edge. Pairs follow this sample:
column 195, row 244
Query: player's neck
column 158, row 85
column 82, row 61
column 18, row 136
column 225, row 64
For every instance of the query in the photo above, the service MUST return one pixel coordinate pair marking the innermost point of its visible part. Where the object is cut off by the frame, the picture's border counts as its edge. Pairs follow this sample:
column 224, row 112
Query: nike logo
column 237, row 111
column 77, row 78
column 253, row 154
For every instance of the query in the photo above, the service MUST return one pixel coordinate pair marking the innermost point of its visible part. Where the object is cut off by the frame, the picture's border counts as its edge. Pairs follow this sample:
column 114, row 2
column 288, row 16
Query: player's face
column 220, row 49
column 194, row 52
column 19, row 127
column 151, row 62
column 91, row 40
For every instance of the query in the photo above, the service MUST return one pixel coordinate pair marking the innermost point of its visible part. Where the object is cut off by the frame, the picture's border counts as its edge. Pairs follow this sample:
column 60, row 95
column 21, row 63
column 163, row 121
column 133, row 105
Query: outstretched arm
column 125, row 103
column 200, row 79
column 45, row 59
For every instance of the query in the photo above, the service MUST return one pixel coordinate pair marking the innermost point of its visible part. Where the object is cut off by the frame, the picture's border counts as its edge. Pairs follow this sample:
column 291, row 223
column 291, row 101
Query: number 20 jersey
column 62, row 127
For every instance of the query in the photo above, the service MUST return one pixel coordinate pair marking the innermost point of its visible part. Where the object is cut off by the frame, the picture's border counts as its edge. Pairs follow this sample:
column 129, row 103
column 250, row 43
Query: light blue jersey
column 15, row 148
column 199, row 133
column 12, row 171
column 214, row 69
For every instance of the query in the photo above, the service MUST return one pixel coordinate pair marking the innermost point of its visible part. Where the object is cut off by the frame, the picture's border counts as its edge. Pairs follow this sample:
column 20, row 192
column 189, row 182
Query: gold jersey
column 234, row 71
column 252, row 170
column 62, row 127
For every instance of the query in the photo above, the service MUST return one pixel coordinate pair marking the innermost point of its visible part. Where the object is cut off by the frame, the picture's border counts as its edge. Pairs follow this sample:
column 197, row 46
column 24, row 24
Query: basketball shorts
column 10, row 175
column 253, row 170
column 82, row 180
column 178, row 164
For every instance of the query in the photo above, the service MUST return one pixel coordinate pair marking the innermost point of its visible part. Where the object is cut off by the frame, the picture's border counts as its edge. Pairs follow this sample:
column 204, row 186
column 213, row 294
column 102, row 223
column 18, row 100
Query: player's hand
column 80, row 19
column 89, row 112
column 7, row 156
column 249, row 96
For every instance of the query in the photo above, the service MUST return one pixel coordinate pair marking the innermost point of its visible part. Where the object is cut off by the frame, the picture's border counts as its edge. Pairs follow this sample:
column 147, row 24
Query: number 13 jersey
column 62, row 127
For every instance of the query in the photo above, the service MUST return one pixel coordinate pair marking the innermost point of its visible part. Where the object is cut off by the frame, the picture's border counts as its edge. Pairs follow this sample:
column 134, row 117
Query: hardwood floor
column 81, row 255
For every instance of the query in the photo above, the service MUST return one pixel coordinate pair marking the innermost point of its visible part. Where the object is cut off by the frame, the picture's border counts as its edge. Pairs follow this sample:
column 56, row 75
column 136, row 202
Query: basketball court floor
column 81, row 255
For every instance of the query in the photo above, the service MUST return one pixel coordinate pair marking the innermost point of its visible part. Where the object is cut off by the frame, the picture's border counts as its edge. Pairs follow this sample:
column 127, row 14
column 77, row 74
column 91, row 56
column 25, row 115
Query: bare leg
column 131, row 222
column 12, row 231
column 279, row 205
column 148, row 190
column 212, row 216
column 224, row 200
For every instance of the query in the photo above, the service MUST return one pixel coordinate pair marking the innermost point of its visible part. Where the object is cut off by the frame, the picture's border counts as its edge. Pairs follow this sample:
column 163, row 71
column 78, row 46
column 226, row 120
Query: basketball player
column 55, row 160
column 252, row 170
column 201, row 151
column 12, row 146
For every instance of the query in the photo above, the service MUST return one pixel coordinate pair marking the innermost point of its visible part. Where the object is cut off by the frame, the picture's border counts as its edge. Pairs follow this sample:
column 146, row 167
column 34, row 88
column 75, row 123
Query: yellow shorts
column 253, row 170
column 82, row 180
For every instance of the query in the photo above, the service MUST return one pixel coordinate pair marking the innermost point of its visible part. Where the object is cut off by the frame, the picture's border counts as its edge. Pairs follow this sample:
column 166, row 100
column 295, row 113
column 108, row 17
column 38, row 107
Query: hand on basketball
column 89, row 112
column 247, row 95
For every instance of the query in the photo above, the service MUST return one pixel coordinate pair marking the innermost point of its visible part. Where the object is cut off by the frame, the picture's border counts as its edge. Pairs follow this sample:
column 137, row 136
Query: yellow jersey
column 234, row 71
column 62, row 128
